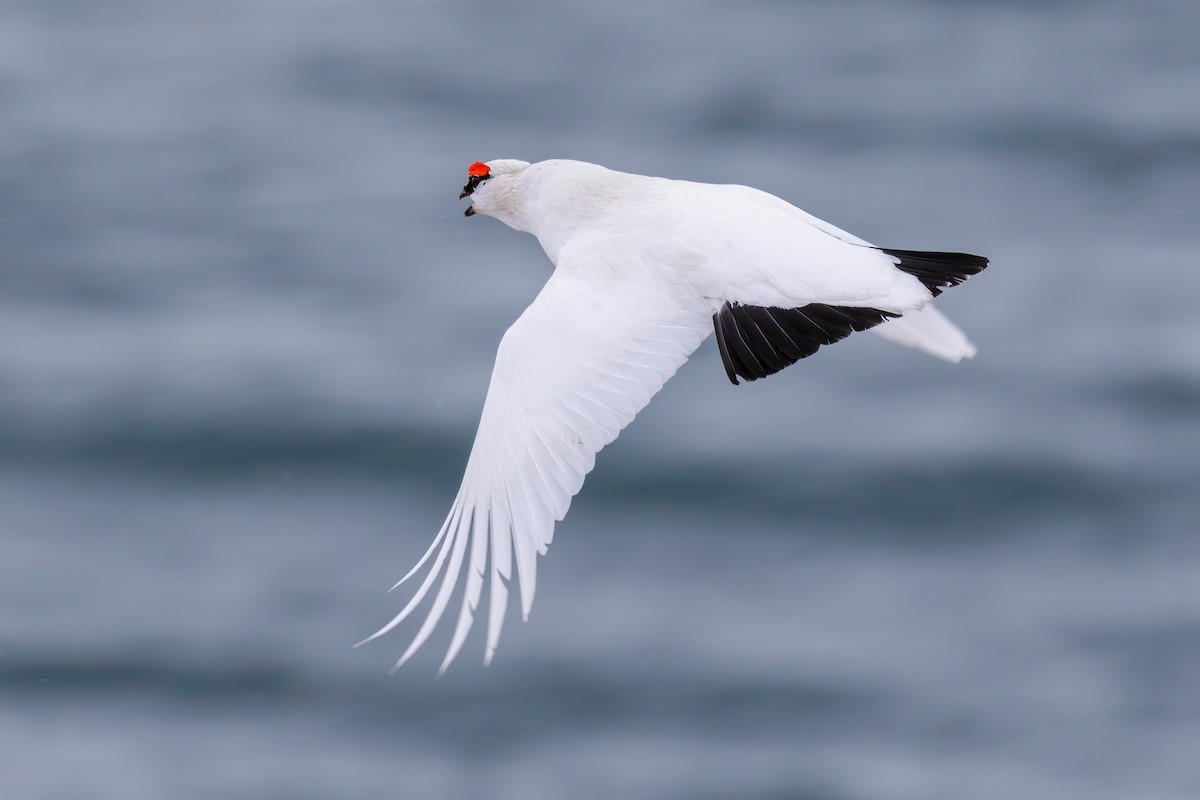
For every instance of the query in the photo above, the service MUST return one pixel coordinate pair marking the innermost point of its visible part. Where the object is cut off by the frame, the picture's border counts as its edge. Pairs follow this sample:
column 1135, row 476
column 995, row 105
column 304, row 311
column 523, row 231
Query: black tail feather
column 938, row 270
column 757, row 341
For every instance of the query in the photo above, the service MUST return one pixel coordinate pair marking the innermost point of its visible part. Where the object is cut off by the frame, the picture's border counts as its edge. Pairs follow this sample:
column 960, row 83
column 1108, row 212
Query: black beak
column 470, row 212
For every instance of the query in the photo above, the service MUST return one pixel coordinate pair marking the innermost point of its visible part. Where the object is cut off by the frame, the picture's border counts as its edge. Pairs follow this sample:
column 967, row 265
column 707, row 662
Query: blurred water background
column 245, row 334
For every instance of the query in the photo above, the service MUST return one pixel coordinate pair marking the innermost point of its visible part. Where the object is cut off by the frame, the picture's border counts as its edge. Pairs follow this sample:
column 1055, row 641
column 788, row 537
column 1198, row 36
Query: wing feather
column 579, row 364
column 501, row 555
column 442, row 599
column 474, row 588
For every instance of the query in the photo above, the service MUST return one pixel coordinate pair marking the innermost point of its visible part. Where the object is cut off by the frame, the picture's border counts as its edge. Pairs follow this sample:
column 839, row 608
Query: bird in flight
column 644, row 269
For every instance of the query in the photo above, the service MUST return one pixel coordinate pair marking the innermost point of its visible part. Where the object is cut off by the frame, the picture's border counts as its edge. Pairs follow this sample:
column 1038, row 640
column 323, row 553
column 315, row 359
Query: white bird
column 645, row 269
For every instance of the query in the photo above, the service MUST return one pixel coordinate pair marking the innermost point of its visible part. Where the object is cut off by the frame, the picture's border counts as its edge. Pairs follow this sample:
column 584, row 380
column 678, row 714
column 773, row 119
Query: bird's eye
column 472, row 183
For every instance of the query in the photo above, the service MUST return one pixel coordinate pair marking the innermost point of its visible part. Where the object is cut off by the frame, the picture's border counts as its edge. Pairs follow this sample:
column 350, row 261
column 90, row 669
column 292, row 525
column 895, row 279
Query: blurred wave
column 247, row 334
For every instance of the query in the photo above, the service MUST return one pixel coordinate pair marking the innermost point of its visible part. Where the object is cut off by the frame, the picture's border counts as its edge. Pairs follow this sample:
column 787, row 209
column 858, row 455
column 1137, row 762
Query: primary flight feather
column 645, row 269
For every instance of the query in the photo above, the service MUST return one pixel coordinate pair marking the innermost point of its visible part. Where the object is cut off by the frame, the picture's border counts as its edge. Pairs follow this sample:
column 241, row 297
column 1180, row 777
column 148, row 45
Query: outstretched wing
column 586, row 356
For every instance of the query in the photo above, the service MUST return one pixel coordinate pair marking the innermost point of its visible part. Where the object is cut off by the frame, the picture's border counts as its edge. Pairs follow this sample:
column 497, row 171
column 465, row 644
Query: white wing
column 587, row 355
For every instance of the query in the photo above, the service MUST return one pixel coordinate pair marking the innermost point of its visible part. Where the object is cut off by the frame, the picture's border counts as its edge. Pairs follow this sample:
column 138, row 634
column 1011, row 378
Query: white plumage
column 644, row 269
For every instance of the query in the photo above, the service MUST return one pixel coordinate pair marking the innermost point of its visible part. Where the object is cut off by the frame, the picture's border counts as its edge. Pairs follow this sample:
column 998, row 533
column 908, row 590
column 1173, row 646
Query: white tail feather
column 929, row 330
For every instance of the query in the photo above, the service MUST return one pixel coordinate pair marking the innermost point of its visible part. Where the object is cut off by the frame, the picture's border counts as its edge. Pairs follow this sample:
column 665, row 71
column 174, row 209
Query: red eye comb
column 478, row 169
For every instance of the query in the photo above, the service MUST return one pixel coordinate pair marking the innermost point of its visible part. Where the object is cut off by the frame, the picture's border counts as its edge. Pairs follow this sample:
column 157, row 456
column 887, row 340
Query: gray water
column 245, row 334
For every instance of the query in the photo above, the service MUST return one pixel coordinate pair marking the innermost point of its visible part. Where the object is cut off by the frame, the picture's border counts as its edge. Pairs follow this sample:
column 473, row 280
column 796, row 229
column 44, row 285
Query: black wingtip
column 938, row 270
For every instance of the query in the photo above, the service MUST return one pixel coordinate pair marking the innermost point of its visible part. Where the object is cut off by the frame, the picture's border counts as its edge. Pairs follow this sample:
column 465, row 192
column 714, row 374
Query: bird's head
column 492, row 187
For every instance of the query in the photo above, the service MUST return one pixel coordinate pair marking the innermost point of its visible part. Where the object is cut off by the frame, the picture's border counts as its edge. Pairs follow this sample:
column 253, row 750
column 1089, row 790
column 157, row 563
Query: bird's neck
column 563, row 202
